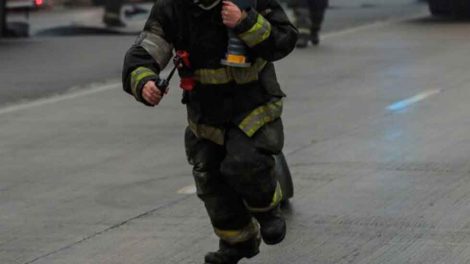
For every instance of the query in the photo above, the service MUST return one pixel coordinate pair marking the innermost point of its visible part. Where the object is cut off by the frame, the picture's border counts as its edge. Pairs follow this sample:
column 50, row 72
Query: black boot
column 113, row 20
column 231, row 254
column 273, row 226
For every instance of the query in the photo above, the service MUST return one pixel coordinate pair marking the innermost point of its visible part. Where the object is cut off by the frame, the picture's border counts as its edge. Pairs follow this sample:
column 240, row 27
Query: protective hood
column 207, row 4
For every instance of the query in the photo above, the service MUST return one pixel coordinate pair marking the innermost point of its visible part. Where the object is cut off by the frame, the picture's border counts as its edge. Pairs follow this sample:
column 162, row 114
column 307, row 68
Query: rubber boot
column 231, row 254
column 273, row 226
column 113, row 20
column 302, row 42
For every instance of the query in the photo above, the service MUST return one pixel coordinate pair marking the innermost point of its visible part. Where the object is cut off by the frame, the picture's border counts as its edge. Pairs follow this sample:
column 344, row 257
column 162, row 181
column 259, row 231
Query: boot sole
column 247, row 256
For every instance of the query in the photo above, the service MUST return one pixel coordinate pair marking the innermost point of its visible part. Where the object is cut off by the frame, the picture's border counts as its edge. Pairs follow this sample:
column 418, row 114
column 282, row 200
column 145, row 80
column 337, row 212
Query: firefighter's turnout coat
column 243, row 97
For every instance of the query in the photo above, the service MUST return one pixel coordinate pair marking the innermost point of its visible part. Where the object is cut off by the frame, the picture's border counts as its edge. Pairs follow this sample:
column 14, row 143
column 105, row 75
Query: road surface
column 377, row 139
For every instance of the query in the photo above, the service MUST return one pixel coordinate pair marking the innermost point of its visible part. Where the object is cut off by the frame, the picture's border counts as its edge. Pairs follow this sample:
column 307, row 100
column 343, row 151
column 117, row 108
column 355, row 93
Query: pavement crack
column 111, row 228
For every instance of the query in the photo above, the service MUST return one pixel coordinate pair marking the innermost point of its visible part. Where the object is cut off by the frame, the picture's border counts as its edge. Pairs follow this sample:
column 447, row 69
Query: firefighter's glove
column 231, row 14
column 151, row 94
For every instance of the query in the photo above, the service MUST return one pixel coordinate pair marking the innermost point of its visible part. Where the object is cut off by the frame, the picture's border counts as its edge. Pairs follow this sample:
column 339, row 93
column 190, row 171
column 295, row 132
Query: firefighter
column 234, row 125
column 309, row 15
column 112, row 13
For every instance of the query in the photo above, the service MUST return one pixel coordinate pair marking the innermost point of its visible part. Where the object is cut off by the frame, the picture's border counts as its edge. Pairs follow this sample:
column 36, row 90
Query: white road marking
column 403, row 104
column 191, row 189
column 373, row 25
column 59, row 98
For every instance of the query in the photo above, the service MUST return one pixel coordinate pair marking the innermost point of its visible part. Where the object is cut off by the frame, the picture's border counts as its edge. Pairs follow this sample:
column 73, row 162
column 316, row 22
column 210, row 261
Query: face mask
column 207, row 4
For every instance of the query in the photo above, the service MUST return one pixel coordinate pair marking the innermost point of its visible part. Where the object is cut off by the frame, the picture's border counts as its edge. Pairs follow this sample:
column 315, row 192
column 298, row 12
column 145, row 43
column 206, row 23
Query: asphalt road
column 377, row 138
column 50, row 63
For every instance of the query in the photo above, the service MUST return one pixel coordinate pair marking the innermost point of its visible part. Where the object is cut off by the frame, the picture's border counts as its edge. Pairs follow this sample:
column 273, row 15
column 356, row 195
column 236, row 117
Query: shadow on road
column 77, row 30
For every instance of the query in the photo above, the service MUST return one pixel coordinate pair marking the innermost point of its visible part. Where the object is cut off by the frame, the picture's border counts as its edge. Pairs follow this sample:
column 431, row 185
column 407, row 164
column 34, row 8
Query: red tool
column 183, row 65
column 185, row 71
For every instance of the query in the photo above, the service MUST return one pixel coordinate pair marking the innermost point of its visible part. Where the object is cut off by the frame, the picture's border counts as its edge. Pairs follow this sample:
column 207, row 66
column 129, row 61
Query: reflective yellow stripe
column 213, row 76
column 237, row 236
column 214, row 134
column 247, row 75
column 261, row 116
column 277, row 198
column 228, row 74
column 258, row 33
column 137, row 76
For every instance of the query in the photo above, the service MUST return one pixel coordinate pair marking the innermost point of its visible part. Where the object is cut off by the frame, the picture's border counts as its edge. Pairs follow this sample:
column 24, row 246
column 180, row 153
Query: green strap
column 260, row 117
column 137, row 76
column 258, row 33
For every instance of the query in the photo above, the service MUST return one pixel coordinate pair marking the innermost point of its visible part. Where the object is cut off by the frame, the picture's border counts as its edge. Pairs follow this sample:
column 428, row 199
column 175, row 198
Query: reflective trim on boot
column 232, row 253
column 277, row 198
column 238, row 236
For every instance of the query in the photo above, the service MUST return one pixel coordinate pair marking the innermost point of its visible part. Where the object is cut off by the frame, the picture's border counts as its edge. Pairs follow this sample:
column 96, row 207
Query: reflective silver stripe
column 237, row 236
column 157, row 47
column 304, row 31
column 260, row 31
column 228, row 74
column 277, row 198
column 213, row 76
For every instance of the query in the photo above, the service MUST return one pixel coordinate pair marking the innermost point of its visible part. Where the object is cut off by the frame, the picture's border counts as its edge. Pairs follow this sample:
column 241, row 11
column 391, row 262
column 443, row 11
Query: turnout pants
column 237, row 178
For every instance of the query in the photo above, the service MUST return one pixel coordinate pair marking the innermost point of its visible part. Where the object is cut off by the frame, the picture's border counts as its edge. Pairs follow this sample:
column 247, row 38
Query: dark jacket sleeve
column 268, row 33
column 149, row 55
